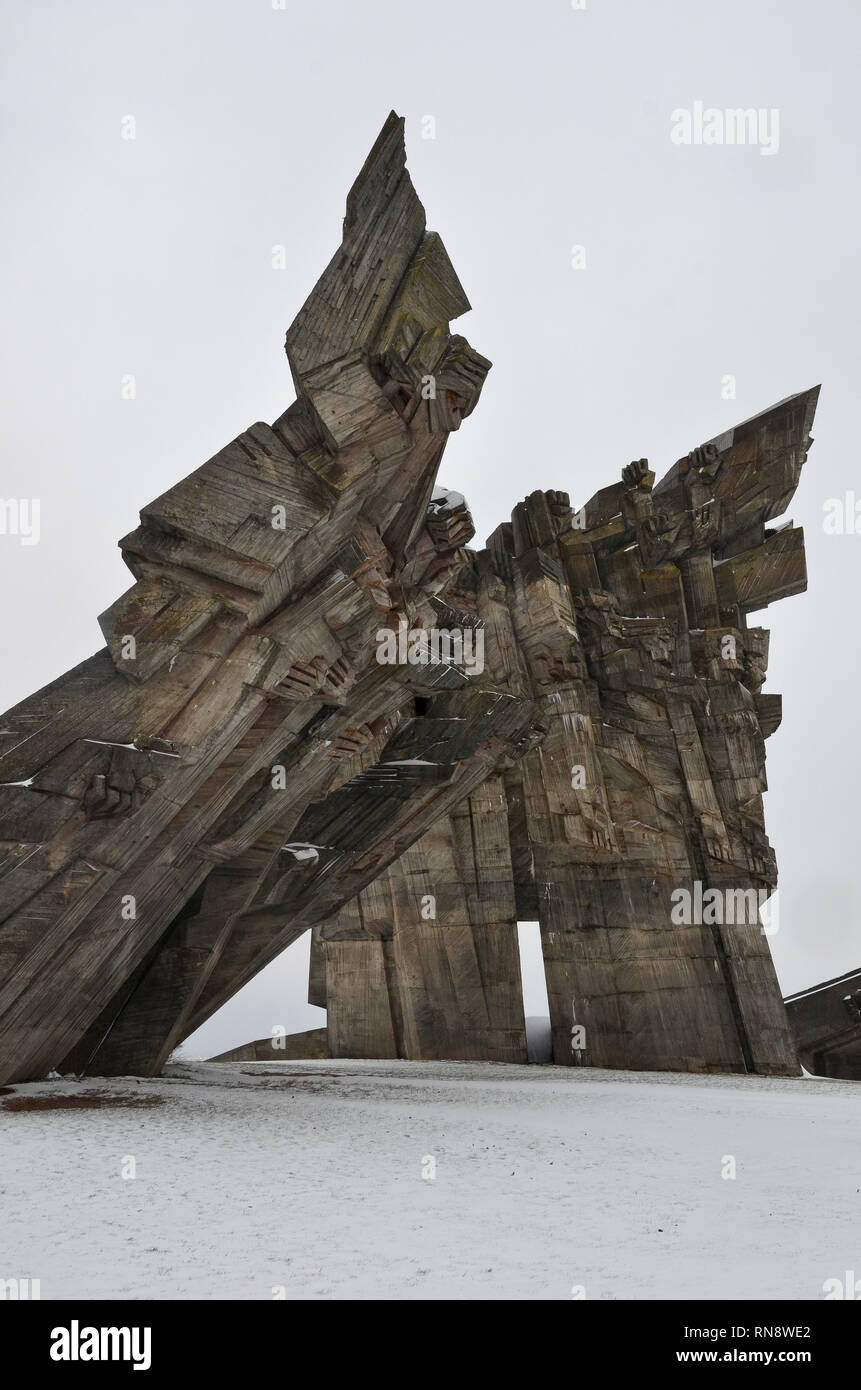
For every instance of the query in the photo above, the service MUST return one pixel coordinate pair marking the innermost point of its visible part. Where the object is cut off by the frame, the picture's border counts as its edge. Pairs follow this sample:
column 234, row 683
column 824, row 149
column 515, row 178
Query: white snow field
column 314, row 1180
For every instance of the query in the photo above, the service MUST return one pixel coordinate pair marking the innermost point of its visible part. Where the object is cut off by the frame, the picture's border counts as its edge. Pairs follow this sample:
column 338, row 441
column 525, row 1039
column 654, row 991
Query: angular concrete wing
column 146, row 797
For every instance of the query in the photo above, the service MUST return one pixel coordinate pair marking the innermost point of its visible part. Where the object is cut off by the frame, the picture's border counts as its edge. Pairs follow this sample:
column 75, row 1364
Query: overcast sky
column 152, row 257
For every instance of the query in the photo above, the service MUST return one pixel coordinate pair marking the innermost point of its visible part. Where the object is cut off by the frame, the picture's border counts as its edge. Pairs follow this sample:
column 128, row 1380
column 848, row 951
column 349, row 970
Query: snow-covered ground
column 434, row 1180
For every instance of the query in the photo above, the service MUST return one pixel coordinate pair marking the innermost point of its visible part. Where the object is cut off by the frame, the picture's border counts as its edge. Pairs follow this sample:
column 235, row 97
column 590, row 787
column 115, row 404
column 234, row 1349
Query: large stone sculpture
column 634, row 834
column 241, row 764
column 156, row 801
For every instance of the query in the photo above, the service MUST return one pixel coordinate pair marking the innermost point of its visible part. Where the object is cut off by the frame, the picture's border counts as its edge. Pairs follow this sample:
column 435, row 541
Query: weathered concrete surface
column 237, row 766
column 826, row 1024
column 290, row 1047
column 149, row 798
column 627, row 623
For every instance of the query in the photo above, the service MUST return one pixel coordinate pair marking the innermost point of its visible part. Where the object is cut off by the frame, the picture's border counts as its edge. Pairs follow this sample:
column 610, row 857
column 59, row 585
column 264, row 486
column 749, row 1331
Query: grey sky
column 152, row 257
